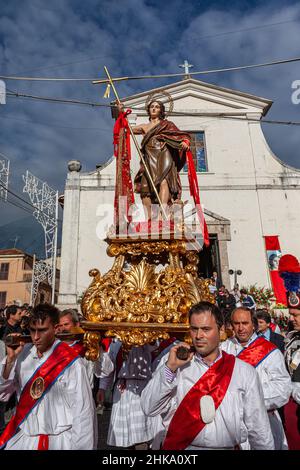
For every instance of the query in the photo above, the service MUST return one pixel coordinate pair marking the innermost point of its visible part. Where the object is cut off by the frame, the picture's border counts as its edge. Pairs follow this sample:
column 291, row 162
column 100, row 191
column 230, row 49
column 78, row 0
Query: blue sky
column 72, row 38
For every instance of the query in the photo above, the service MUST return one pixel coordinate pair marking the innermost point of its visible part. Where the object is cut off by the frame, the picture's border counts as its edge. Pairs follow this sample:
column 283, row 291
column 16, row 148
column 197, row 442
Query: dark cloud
column 72, row 38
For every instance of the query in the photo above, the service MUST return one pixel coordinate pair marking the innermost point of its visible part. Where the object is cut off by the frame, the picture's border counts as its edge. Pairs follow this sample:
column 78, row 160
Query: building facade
column 247, row 192
column 16, row 268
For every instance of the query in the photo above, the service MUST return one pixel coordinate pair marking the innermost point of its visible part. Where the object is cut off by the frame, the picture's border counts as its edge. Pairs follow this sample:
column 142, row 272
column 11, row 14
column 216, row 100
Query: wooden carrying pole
column 137, row 147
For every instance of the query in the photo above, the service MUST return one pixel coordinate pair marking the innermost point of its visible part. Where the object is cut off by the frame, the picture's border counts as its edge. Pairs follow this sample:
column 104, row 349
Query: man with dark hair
column 264, row 322
column 247, row 300
column 209, row 400
column 292, row 358
column 13, row 320
column 226, row 301
column 55, row 408
column 69, row 323
column 269, row 364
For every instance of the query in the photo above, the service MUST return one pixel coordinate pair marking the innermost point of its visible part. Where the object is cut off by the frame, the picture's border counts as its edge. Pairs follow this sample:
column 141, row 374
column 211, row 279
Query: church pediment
column 211, row 217
column 195, row 96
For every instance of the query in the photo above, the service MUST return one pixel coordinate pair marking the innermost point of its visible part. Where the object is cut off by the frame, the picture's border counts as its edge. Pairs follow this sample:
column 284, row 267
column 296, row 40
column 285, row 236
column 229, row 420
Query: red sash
column 61, row 358
column 79, row 348
column 187, row 422
column 257, row 351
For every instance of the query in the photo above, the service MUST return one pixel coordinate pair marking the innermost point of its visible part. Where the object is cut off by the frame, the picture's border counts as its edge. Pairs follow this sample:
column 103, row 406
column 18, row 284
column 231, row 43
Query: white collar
column 236, row 341
column 202, row 361
column 33, row 351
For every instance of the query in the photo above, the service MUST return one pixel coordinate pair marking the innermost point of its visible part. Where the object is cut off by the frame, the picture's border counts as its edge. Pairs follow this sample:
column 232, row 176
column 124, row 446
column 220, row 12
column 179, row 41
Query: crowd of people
column 239, row 390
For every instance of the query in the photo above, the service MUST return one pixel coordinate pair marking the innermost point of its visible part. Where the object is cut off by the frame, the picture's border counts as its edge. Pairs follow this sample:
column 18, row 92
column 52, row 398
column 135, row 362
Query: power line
column 246, row 29
column 47, row 124
column 225, row 33
column 57, row 100
column 174, row 113
column 26, row 202
column 143, row 77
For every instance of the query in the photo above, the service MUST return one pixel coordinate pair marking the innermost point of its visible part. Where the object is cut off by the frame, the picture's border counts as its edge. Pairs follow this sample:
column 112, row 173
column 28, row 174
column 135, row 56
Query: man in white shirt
column 269, row 363
column 292, row 358
column 55, row 408
column 210, row 400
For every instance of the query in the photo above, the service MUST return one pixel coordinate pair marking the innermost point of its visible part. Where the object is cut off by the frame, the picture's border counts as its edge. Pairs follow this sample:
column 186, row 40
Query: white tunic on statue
column 128, row 424
column 241, row 414
column 276, row 384
column 66, row 413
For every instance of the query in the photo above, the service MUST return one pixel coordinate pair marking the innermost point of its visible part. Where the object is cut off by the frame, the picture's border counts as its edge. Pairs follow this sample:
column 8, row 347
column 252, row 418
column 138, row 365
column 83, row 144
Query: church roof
column 190, row 86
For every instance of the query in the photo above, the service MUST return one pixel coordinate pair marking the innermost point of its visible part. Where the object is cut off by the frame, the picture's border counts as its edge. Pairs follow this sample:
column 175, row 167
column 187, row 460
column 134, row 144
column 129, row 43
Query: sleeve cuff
column 169, row 374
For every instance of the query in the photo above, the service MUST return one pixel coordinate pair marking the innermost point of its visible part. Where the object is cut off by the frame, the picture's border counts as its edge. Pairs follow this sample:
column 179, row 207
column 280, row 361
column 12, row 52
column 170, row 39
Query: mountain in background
column 27, row 235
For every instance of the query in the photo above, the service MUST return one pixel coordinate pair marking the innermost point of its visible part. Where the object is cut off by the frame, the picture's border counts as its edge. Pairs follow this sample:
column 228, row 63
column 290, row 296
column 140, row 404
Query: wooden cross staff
column 137, row 147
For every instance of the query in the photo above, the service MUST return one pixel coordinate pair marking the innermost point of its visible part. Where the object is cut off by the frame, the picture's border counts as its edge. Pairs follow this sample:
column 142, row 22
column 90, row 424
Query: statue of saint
column 164, row 147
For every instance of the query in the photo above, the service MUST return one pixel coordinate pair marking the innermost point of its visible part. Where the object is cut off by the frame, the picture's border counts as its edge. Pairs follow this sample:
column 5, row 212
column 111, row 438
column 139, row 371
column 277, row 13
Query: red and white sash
column 257, row 351
column 78, row 347
column 187, row 422
column 61, row 358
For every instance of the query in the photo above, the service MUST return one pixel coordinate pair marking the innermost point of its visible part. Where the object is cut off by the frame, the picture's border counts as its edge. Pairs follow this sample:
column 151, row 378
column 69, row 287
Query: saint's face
column 154, row 110
column 242, row 326
column 295, row 318
column 42, row 334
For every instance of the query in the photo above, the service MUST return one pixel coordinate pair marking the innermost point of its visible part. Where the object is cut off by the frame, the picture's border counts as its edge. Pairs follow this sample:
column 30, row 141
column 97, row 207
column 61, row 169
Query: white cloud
column 135, row 37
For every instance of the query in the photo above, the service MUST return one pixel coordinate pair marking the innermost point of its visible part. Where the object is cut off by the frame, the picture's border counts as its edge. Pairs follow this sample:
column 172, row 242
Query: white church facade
column 246, row 191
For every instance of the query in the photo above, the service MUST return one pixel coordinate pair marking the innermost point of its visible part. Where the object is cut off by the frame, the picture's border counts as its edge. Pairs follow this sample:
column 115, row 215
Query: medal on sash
column 37, row 388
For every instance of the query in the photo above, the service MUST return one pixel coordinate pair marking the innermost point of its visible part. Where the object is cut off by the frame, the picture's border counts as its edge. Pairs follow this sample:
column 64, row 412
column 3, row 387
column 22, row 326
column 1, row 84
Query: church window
column 198, row 151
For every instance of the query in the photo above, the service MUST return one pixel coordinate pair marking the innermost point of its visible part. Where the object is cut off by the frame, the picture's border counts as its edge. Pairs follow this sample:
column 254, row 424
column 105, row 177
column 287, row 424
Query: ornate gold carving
column 203, row 287
column 136, row 337
column 159, row 288
column 91, row 342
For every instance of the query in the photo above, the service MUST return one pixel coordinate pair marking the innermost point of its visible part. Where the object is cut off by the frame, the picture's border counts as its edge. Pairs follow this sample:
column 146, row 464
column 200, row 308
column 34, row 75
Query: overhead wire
column 29, row 209
column 173, row 113
column 143, row 77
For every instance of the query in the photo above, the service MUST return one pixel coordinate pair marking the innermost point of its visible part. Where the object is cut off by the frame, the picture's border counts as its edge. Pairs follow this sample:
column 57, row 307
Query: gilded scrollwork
column 160, row 287
column 91, row 342
column 137, row 337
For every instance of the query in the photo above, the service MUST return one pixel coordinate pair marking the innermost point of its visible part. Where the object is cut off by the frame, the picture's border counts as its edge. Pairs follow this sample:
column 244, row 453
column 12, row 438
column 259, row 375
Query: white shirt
column 67, row 406
column 241, row 414
column 275, row 380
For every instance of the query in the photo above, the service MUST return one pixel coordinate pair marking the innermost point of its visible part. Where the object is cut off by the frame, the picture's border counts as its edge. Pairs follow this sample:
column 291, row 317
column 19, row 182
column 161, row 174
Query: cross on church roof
column 186, row 66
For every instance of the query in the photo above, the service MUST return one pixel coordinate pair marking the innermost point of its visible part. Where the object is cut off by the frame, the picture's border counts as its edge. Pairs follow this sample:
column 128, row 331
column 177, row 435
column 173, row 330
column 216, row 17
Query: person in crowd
column 269, row 364
column 237, row 295
column 247, row 300
column 292, row 358
column 226, row 301
column 13, row 320
column 212, row 287
column 2, row 404
column 55, row 408
column 210, row 399
column 128, row 427
column 217, row 280
column 264, row 329
column 69, row 323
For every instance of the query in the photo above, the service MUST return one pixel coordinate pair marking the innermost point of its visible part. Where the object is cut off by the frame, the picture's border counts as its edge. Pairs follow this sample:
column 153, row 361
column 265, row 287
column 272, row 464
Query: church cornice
column 192, row 87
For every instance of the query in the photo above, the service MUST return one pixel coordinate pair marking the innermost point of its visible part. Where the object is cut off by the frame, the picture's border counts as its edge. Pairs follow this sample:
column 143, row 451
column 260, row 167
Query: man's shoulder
column 244, row 369
column 276, row 337
column 228, row 345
